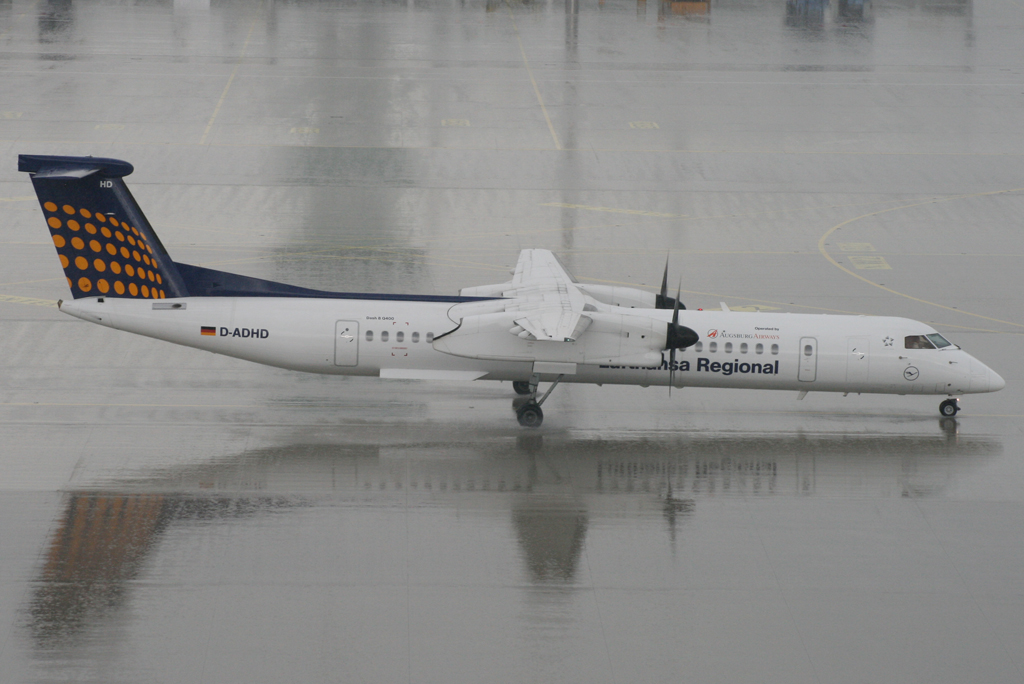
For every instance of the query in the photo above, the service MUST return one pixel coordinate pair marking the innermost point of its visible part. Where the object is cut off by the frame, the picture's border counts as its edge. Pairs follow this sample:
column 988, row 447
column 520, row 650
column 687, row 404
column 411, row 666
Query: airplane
column 540, row 326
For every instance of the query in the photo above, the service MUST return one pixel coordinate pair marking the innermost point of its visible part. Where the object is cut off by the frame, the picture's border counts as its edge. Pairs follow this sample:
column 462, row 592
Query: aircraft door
column 808, row 359
column 346, row 343
column 857, row 359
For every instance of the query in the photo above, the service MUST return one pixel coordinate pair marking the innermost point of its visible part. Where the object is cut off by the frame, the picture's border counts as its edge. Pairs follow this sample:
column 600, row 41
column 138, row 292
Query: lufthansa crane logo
column 712, row 333
column 911, row 373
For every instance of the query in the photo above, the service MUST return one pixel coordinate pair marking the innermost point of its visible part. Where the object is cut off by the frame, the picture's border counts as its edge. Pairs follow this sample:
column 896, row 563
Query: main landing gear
column 950, row 407
column 528, row 411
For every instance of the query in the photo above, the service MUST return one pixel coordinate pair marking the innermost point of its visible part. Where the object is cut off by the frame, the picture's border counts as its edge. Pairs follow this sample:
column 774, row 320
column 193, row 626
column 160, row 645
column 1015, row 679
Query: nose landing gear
column 950, row 407
column 530, row 415
column 528, row 412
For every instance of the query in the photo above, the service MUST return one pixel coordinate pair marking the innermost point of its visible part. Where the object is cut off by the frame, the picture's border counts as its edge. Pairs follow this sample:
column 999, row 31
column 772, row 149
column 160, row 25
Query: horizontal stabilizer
column 46, row 166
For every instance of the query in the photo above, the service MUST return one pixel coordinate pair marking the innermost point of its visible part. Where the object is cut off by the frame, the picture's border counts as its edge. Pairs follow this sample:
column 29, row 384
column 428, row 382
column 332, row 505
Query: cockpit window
column 940, row 341
column 918, row 342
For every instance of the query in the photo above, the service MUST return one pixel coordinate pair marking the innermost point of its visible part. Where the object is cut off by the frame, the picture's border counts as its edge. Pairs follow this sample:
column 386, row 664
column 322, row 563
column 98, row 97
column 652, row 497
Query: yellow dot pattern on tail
column 117, row 258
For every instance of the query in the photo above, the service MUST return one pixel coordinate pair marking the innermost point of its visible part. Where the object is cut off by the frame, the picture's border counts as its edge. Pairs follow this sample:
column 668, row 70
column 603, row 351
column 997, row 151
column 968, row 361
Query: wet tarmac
column 173, row 516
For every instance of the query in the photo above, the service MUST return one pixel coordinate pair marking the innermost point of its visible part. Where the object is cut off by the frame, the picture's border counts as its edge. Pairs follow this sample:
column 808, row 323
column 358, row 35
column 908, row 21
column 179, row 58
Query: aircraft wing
column 550, row 304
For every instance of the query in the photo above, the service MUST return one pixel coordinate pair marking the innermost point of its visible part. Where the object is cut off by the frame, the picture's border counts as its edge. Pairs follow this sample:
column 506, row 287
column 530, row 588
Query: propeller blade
column 671, row 369
column 675, row 308
column 662, row 300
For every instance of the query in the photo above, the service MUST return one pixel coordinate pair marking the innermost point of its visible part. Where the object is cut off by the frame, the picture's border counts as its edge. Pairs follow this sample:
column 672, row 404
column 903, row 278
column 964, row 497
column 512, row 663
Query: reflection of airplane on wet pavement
column 540, row 325
column 553, row 490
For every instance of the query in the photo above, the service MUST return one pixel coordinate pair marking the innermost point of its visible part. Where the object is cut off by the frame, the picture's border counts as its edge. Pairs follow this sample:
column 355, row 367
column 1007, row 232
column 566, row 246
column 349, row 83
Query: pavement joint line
column 935, row 200
column 28, row 300
column 613, row 210
column 533, row 81
column 231, row 78
column 450, row 148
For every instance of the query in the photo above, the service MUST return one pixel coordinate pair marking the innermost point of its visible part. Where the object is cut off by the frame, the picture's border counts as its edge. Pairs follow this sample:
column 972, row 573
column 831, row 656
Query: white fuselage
column 783, row 351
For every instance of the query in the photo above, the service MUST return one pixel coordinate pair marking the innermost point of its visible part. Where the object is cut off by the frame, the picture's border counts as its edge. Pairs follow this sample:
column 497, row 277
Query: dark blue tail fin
column 104, row 241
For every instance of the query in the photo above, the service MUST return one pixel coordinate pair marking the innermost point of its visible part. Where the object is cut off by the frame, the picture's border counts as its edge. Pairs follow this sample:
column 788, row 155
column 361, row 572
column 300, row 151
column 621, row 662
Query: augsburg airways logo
column 758, row 334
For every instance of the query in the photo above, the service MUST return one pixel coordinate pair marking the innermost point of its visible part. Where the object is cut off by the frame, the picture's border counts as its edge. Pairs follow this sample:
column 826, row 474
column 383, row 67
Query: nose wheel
column 950, row 407
column 527, row 410
column 530, row 415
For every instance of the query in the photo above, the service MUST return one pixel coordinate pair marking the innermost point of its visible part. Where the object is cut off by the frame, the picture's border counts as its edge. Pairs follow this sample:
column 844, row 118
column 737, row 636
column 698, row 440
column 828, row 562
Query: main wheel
column 530, row 415
column 521, row 387
column 949, row 408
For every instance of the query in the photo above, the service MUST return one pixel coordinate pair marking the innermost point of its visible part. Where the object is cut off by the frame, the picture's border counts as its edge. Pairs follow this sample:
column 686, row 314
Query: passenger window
column 713, row 347
column 429, row 338
column 383, row 335
column 728, row 347
column 399, row 336
column 917, row 342
column 369, row 336
column 775, row 349
column 940, row 341
column 743, row 348
column 699, row 347
column 415, row 337
column 759, row 349
column 808, row 350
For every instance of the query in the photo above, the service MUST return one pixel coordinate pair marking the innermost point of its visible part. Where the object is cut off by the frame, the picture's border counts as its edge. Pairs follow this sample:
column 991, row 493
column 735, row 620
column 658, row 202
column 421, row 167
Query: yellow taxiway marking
column 934, row 200
column 644, row 125
column 871, row 263
column 231, row 78
column 753, row 308
column 612, row 210
column 24, row 198
column 27, row 300
column 856, row 247
column 529, row 71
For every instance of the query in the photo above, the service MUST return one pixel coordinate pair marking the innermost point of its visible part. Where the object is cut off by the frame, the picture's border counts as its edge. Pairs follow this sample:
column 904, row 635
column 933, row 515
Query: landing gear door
column 808, row 359
column 346, row 343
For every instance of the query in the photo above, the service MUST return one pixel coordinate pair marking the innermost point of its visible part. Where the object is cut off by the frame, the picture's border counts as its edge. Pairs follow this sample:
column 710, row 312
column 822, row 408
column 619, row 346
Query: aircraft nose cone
column 995, row 381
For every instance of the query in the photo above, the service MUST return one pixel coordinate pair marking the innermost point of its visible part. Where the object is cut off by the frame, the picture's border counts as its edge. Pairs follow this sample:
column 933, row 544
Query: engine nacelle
column 628, row 297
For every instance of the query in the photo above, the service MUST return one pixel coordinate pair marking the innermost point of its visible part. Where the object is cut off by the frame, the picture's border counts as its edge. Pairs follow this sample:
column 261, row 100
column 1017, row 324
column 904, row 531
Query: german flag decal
column 208, row 330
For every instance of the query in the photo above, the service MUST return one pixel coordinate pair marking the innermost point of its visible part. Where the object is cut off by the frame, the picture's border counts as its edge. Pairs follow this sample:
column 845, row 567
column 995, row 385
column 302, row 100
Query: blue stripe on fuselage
column 206, row 282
